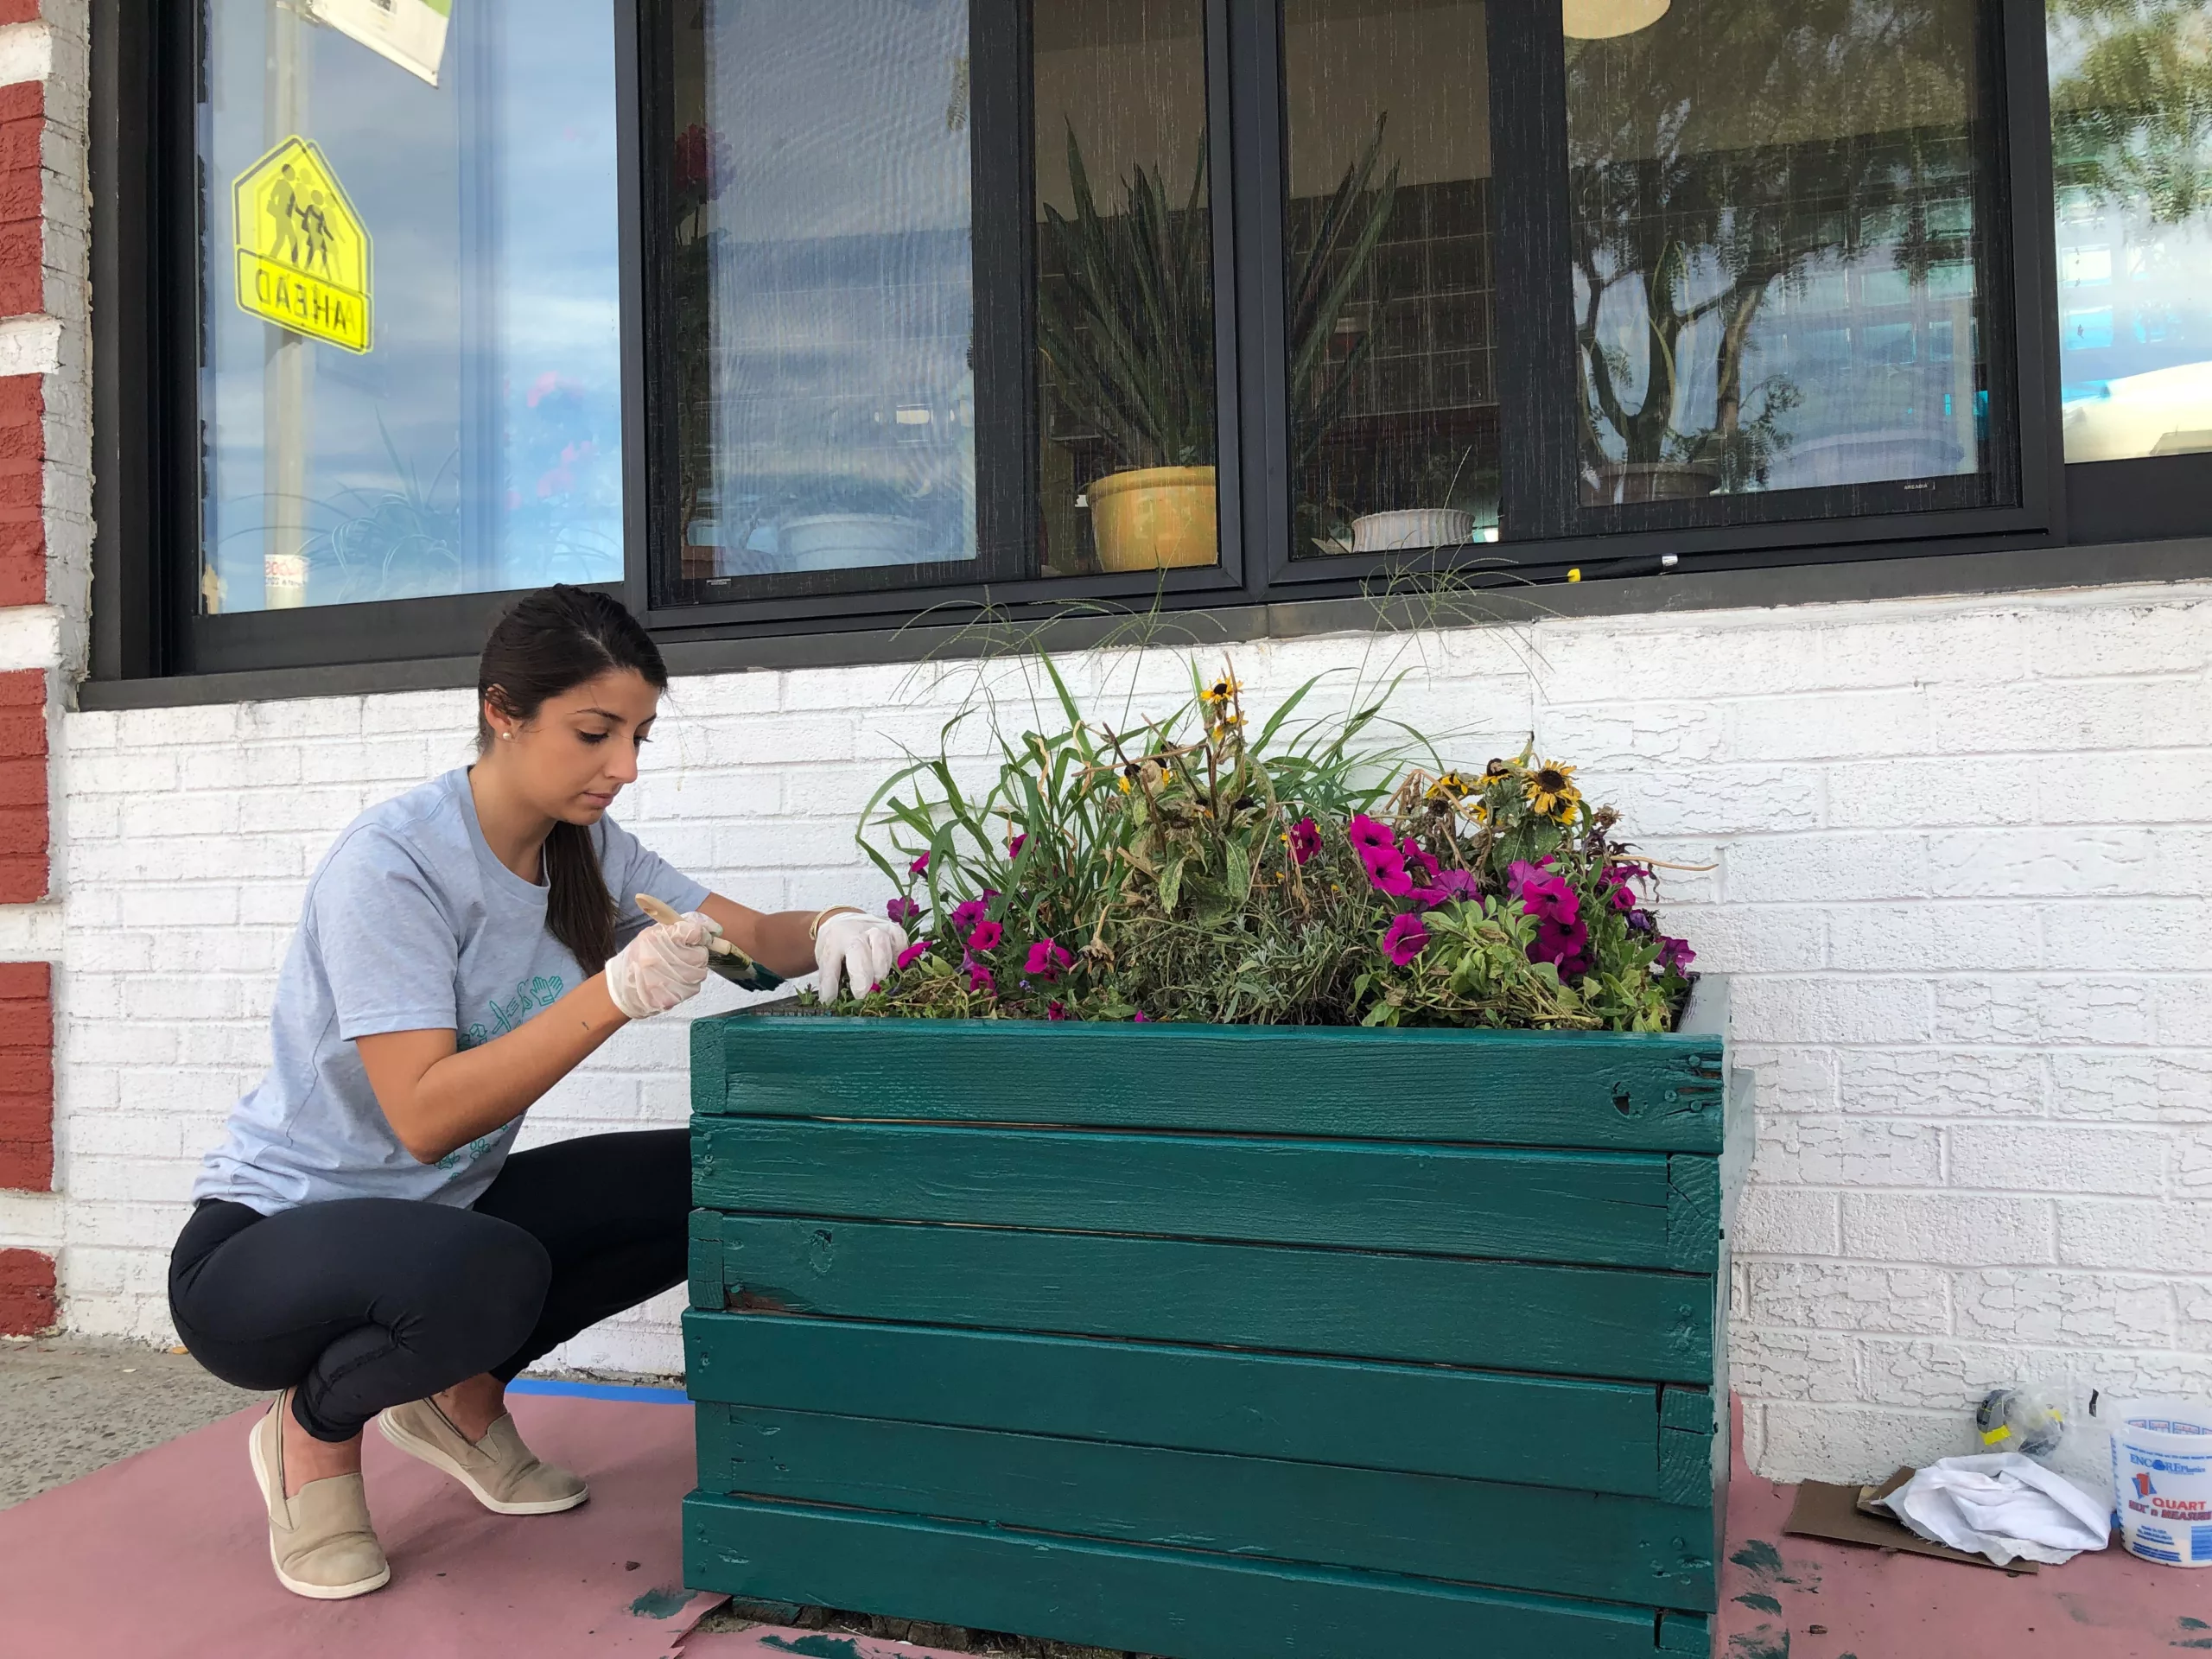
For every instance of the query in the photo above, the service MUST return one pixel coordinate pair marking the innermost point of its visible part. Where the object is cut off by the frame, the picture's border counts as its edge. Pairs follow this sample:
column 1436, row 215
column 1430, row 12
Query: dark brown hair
column 550, row 643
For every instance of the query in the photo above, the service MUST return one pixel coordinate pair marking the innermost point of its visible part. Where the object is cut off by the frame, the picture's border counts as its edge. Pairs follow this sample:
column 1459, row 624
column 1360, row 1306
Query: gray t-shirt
column 410, row 923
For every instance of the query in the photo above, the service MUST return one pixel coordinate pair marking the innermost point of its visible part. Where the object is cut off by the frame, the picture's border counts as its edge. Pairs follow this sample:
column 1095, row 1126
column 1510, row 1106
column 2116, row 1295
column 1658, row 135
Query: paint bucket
column 2162, row 1479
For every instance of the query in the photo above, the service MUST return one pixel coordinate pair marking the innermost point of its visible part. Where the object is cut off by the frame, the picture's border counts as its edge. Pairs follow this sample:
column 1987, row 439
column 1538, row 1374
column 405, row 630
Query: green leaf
column 1171, row 884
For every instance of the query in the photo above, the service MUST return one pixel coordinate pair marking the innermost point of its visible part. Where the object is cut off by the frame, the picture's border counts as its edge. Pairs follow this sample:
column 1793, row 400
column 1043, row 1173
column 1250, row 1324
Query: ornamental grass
column 1328, row 870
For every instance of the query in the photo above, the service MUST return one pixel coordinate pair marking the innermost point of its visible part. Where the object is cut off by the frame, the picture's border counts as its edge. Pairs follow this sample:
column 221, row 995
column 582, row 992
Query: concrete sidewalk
column 70, row 1405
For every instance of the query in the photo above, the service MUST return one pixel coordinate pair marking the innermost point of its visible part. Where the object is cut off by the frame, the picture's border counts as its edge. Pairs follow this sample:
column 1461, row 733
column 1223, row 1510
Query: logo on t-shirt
column 472, row 1152
column 531, row 995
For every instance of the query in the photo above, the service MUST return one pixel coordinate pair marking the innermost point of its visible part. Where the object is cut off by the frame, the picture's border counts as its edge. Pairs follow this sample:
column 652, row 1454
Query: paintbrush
column 725, row 958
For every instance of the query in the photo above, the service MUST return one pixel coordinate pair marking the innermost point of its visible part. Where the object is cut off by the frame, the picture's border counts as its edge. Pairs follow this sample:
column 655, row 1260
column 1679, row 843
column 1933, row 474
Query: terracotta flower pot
column 1156, row 517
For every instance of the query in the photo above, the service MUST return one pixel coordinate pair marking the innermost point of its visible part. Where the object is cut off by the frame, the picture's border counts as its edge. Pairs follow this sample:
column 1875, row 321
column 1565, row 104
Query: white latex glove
column 664, row 965
column 861, row 948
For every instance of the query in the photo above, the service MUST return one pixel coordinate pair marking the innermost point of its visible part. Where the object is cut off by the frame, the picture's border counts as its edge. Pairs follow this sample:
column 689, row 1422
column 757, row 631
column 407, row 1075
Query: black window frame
column 147, row 71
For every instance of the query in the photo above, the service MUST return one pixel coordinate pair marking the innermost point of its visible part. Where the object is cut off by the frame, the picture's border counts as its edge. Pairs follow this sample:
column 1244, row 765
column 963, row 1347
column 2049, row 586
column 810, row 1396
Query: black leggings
column 366, row 1303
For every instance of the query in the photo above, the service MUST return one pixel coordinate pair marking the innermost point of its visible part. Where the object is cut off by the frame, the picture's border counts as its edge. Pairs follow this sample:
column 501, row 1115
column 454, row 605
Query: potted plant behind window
column 1128, row 332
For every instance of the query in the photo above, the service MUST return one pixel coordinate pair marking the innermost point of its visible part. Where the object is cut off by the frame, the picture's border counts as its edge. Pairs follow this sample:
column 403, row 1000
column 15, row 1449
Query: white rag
column 2001, row 1504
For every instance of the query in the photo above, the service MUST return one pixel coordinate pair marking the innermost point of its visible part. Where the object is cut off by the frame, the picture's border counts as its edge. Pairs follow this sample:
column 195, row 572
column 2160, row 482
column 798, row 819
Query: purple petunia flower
column 979, row 976
column 1404, row 939
column 1619, row 879
column 919, row 866
column 905, row 912
column 1048, row 960
column 1013, row 847
column 1675, row 955
column 1055, row 1011
column 965, row 916
column 1429, row 897
column 1546, row 897
column 985, row 936
column 1457, row 884
column 913, row 953
column 1369, row 836
column 1386, row 870
column 1304, row 840
column 1642, row 921
column 1566, row 946
column 1142, row 1018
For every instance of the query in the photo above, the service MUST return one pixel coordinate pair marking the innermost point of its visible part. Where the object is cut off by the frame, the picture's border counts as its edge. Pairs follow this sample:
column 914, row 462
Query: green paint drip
column 664, row 1602
column 2193, row 1625
column 1760, row 1557
column 1764, row 1643
column 816, row 1646
column 1764, row 1603
column 2199, row 1642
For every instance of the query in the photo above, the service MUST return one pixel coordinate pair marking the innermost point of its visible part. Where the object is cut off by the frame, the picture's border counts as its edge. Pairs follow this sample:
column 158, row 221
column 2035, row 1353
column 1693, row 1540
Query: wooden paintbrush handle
column 655, row 911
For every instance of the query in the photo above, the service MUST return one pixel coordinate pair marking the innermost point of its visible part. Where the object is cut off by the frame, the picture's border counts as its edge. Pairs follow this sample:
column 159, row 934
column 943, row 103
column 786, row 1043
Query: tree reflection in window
column 1771, row 230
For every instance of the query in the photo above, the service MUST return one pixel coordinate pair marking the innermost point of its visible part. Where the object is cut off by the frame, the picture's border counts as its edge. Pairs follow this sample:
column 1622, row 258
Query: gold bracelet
column 814, row 927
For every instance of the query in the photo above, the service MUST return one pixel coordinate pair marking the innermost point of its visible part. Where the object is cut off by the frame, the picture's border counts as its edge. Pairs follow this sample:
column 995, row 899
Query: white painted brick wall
column 1960, row 851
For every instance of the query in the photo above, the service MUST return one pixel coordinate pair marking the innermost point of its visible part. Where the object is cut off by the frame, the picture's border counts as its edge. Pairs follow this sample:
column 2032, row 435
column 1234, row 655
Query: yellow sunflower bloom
column 1450, row 787
column 1551, row 792
column 1221, row 690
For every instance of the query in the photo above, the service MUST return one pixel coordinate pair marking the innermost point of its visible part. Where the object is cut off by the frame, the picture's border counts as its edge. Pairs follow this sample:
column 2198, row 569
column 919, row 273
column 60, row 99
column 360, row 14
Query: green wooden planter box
column 1215, row 1342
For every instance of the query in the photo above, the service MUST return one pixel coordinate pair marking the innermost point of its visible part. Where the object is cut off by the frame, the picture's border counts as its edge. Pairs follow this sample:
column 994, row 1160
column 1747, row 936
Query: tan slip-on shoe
column 498, row 1469
column 320, row 1539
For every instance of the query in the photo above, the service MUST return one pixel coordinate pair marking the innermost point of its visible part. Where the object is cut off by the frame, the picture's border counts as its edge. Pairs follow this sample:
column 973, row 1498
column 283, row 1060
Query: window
column 916, row 340
column 824, row 306
column 1389, row 296
column 793, row 319
column 1773, row 213
column 2130, row 105
column 1125, row 314
column 410, row 382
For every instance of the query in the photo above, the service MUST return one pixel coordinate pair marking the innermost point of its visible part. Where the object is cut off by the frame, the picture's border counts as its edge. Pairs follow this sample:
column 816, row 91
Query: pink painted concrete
column 165, row 1555
column 1870, row 1605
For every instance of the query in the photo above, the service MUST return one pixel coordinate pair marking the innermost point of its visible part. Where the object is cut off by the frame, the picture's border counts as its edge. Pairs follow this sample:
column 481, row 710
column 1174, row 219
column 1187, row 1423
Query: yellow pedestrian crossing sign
column 303, row 253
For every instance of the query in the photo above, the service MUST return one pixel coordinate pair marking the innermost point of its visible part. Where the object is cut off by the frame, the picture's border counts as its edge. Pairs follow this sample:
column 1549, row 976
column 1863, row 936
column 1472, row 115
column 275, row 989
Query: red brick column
column 26, row 1076
column 27, row 1293
column 28, row 1297
column 23, row 787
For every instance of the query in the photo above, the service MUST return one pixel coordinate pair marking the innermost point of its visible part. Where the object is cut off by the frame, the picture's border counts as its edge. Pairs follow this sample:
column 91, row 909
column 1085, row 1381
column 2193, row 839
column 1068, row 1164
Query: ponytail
column 548, row 644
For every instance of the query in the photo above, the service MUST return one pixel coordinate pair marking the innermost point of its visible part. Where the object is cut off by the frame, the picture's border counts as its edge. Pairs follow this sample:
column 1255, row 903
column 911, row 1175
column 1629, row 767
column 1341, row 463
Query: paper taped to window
column 411, row 32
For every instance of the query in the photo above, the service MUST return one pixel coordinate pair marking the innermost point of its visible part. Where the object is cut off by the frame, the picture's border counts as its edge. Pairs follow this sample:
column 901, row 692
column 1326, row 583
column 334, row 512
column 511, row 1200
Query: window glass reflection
column 1774, row 245
column 1127, row 478
column 1393, row 419
column 823, row 311
column 476, row 444
column 2130, row 105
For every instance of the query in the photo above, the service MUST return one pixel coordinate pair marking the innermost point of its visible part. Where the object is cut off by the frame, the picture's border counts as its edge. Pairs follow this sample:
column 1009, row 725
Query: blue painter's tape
column 599, row 1391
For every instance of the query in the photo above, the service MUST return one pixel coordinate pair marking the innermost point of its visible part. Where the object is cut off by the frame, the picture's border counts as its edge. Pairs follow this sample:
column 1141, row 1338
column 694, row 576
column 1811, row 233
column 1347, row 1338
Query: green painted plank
column 1603, row 1322
column 1477, row 1425
column 1600, row 1207
column 1175, row 1603
column 1688, row 1633
column 1686, row 1436
column 1511, row 1537
column 1595, row 1089
column 1692, row 1213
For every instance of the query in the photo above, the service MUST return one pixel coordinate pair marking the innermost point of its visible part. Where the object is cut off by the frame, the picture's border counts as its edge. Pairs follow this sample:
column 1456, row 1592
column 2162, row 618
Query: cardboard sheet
column 1841, row 1513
